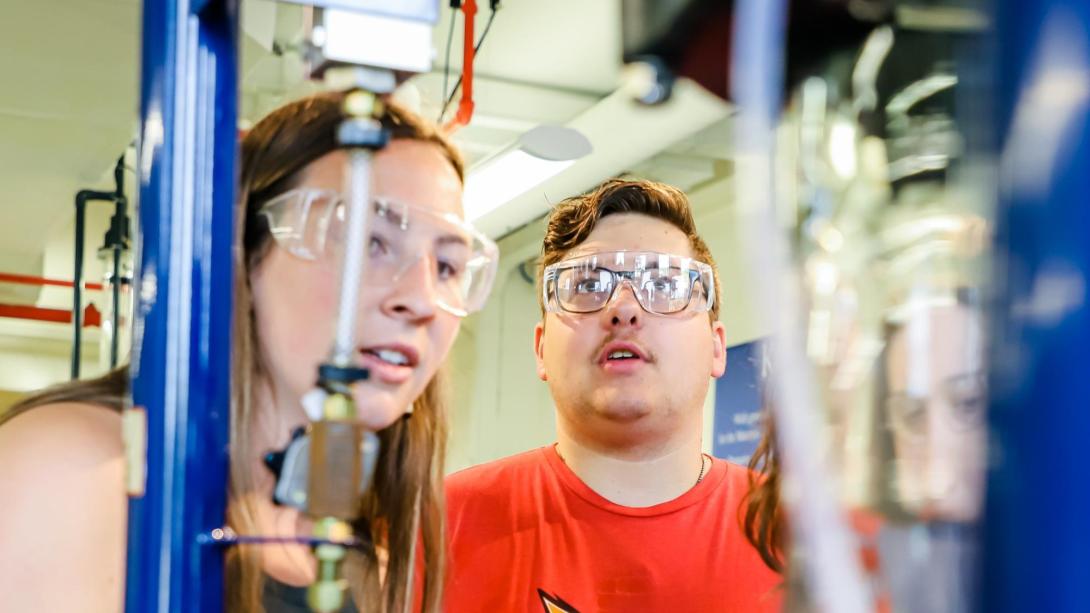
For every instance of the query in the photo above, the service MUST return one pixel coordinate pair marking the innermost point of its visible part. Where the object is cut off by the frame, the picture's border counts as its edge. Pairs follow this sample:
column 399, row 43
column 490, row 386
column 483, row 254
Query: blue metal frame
column 1037, row 521
column 181, row 356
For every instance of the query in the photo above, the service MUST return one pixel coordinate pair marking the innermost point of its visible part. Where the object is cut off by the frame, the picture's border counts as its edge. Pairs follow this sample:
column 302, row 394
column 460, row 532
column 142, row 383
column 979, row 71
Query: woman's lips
column 387, row 372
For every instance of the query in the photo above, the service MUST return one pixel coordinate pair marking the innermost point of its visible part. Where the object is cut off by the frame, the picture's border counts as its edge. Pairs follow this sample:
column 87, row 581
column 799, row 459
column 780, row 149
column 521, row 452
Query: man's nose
column 623, row 308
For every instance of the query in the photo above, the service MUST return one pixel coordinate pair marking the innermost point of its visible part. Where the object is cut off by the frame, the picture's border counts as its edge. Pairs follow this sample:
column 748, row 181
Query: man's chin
column 623, row 412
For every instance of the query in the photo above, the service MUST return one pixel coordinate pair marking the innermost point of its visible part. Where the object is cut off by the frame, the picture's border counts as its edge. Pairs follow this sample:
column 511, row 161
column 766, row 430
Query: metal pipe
column 7, row 277
column 82, row 198
column 61, row 316
column 117, row 239
column 359, row 190
column 116, row 316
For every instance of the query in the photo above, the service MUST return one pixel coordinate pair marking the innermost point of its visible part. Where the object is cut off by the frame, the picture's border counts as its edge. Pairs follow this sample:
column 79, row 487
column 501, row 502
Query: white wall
column 35, row 354
column 29, row 363
column 500, row 405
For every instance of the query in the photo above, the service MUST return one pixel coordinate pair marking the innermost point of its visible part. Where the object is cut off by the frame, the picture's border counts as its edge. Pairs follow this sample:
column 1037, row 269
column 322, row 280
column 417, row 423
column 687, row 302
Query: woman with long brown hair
column 762, row 517
column 61, row 467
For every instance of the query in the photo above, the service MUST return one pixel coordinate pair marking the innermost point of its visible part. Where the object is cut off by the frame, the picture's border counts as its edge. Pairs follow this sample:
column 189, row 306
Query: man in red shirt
column 624, row 512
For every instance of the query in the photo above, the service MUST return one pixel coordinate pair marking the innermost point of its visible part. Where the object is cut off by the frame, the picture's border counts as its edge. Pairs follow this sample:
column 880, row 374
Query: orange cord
column 465, row 105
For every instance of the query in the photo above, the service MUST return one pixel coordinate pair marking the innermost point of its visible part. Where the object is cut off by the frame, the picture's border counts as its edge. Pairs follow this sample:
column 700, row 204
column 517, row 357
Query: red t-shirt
column 526, row 534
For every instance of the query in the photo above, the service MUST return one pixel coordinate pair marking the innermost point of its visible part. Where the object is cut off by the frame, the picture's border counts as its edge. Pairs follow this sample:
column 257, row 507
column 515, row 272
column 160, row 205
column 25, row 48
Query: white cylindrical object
column 358, row 198
column 831, row 566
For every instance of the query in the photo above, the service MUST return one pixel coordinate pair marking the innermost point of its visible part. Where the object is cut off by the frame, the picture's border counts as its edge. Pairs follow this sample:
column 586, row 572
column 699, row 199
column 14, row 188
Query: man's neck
column 635, row 477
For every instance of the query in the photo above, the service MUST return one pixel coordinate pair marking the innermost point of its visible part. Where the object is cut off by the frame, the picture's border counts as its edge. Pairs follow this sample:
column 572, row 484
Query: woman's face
column 402, row 336
column 937, row 403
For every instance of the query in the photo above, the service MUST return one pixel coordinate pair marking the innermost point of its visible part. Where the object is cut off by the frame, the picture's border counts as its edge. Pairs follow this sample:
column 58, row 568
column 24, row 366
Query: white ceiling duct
column 541, row 154
column 622, row 134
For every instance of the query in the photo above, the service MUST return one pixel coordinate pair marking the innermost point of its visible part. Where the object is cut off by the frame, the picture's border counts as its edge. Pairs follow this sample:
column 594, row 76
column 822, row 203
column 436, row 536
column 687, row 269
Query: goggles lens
column 662, row 283
column 312, row 225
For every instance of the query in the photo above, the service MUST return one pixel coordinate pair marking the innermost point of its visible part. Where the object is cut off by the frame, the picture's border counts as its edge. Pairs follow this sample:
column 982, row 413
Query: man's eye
column 662, row 284
column 589, row 286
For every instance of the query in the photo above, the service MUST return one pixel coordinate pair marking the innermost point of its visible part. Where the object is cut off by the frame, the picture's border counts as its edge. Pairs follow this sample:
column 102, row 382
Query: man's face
column 659, row 392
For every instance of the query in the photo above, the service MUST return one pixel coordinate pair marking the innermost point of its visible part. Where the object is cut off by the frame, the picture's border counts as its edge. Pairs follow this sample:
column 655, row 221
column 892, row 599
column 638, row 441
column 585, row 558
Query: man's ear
column 539, row 350
column 719, row 349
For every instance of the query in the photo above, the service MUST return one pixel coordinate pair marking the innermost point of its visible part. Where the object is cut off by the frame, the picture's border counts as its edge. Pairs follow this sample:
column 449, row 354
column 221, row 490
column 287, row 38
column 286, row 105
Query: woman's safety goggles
column 662, row 283
column 311, row 224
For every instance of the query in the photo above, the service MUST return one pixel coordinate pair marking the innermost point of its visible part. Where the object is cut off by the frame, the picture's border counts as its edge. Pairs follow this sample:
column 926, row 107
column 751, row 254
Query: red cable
column 465, row 105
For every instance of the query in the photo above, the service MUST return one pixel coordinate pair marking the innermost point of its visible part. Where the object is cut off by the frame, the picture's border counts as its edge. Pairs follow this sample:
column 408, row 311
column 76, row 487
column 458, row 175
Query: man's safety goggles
column 311, row 224
column 662, row 283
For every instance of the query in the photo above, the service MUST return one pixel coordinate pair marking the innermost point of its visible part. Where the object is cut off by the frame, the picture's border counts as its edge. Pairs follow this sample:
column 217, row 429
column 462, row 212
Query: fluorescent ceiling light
column 542, row 153
column 504, row 177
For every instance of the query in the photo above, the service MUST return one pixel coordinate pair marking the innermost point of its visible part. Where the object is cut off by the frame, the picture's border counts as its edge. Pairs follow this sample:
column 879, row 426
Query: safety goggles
column 311, row 224
column 662, row 283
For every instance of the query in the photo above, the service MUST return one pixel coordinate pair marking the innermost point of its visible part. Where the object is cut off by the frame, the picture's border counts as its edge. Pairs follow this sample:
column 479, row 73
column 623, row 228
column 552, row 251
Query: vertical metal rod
column 77, row 287
column 182, row 329
column 832, row 570
column 355, row 254
column 116, row 298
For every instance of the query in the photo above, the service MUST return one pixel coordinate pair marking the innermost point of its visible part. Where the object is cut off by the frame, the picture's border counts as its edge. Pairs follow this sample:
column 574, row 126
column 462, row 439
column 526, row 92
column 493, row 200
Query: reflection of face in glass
column 936, row 403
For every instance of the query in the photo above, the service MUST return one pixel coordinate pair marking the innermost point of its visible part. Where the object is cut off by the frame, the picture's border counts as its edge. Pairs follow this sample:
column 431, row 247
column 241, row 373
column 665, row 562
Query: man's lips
column 624, row 351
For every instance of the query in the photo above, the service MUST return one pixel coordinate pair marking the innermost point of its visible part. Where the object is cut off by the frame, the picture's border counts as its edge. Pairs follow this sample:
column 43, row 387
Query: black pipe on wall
column 119, row 225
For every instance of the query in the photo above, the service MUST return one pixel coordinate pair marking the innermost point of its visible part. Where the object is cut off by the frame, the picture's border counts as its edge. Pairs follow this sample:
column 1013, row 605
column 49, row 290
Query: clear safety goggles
column 662, row 283
column 311, row 224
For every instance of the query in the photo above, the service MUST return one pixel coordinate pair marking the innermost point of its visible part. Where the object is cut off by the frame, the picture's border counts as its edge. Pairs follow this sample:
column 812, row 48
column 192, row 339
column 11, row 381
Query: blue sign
column 737, row 427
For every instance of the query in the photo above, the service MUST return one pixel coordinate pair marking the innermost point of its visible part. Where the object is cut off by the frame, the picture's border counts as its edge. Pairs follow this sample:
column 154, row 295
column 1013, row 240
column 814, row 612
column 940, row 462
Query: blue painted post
column 1037, row 518
column 181, row 363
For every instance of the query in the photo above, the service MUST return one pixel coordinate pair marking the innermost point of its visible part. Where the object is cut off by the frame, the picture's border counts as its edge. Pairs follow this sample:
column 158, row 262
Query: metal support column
column 186, row 177
column 1036, row 531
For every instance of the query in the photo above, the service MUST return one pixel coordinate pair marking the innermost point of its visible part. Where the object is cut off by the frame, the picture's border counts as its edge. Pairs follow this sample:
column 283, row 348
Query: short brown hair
column 573, row 219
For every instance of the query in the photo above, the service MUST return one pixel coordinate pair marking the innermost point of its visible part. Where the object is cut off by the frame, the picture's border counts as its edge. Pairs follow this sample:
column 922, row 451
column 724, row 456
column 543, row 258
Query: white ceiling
column 69, row 100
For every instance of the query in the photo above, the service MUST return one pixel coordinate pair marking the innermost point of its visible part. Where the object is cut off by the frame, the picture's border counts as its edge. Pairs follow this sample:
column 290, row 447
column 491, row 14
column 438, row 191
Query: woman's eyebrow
column 458, row 239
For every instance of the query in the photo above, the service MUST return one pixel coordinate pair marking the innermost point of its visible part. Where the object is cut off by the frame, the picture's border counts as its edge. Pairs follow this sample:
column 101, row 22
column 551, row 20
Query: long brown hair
column 108, row 390
column 762, row 520
column 410, row 464
column 408, row 479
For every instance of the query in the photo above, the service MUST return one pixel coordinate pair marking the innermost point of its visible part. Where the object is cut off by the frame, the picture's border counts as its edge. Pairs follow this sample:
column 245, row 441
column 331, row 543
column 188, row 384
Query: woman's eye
column 968, row 397
column 449, row 270
column 908, row 413
column 378, row 246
